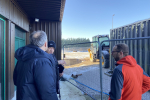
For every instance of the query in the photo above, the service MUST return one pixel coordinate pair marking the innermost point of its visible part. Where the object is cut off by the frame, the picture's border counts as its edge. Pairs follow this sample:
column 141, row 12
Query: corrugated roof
column 43, row 9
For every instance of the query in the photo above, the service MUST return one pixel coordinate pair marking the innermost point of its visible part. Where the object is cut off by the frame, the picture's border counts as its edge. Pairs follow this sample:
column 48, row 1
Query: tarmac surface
column 91, row 78
column 90, row 75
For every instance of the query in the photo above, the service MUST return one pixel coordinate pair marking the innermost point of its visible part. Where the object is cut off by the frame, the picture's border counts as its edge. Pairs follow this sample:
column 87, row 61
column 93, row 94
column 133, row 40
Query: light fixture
column 36, row 19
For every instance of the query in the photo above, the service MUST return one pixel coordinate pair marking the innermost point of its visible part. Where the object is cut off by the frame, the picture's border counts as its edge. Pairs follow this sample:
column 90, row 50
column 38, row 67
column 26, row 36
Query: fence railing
column 111, row 59
column 100, row 56
column 138, row 48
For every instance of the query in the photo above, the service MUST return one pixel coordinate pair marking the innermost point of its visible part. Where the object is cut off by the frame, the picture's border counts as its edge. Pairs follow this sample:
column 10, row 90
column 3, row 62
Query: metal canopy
column 51, row 10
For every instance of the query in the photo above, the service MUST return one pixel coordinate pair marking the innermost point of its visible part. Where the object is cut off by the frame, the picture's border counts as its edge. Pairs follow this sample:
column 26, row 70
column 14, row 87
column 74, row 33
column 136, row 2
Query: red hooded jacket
column 129, row 81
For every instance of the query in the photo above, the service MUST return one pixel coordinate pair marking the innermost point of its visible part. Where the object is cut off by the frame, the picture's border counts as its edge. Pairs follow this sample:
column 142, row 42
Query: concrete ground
column 70, row 92
column 90, row 74
column 90, row 77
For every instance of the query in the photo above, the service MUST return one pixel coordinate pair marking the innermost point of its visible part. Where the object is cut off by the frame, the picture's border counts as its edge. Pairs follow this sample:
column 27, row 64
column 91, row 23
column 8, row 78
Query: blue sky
column 87, row 18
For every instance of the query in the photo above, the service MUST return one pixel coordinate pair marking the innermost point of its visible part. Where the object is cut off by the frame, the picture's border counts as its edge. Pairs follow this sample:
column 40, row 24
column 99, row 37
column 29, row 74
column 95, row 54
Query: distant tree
column 75, row 40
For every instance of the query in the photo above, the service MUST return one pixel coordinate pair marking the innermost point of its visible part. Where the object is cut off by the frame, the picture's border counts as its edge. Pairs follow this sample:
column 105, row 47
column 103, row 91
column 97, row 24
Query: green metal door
column 20, row 39
column 16, row 47
column 2, row 59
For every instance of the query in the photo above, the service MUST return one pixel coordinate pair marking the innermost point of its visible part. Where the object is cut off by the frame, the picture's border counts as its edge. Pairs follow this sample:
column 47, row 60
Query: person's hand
column 61, row 74
column 62, row 62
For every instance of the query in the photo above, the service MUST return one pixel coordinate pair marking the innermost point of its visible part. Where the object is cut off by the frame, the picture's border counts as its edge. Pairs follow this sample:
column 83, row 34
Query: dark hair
column 122, row 47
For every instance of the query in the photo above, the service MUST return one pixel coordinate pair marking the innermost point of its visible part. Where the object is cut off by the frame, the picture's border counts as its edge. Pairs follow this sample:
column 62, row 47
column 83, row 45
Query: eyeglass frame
column 117, row 51
column 114, row 51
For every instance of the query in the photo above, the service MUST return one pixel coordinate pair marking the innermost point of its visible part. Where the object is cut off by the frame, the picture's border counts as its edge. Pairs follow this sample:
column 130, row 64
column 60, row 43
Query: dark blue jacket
column 59, row 69
column 35, row 74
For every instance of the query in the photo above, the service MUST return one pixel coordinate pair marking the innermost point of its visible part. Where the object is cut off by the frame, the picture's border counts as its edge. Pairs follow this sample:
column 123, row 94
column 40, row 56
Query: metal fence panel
column 148, row 25
column 139, row 49
column 104, row 79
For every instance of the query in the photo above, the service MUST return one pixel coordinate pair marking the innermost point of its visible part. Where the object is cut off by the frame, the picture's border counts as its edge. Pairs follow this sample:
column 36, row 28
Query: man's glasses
column 114, row 51
column 117, row 51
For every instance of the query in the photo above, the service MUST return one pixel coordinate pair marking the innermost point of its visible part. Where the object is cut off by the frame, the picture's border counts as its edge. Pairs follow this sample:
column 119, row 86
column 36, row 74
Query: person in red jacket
column 129, row 81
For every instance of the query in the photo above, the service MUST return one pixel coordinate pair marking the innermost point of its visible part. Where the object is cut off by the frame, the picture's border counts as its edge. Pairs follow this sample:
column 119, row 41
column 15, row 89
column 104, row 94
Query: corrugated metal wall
column 139, row 49
column 10, row 10
column 13, row 15
column 53, row 30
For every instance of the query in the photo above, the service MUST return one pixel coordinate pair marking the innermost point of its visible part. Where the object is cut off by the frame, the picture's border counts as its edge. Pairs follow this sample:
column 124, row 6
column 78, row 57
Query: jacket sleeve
column 61, row 68
column 45, row 80
column 146, row 83
column 15, row 74
column 116, row 85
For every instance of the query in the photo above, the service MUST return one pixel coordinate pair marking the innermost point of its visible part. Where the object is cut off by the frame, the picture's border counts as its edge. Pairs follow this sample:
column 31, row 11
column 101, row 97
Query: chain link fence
column 140, row 54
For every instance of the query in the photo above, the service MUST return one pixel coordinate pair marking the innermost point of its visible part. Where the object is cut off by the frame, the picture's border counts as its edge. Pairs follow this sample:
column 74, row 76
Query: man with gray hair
column 35, row 73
